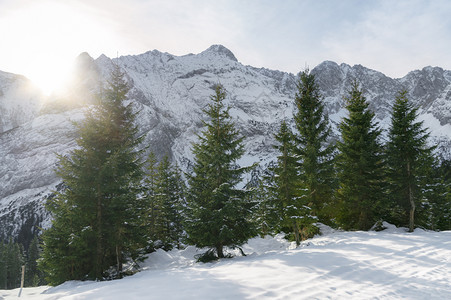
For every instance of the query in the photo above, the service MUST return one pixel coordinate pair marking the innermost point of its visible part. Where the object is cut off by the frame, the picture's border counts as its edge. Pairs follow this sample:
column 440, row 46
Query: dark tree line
column 12, row 258
column 116, row 207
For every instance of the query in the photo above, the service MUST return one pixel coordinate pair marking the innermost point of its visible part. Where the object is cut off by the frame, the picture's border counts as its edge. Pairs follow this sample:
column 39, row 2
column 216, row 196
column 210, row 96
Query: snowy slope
column 391, row 264
column 20, row 101
column 169, row 92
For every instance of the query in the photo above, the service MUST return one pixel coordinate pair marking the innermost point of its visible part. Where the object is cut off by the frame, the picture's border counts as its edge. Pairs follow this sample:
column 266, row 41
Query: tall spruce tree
column 409, row 159
column 150, row 183
column 3, row 266
column 292, row 209
column 436, row 202
column 441, row 206
column 33, row 276
column 177, row 206
column 166, row 205
column 218, row 213
column 95, row 217
column 12, row 254
column 360, row 165
column 265, row 214
column 315, row 154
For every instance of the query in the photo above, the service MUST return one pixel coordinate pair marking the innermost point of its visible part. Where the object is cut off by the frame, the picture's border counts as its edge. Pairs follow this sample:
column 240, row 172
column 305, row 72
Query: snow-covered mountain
column 20, row 101
column 169, row 92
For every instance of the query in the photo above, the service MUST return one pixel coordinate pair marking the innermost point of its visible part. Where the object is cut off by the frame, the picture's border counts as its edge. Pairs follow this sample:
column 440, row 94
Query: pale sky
column 41, row 38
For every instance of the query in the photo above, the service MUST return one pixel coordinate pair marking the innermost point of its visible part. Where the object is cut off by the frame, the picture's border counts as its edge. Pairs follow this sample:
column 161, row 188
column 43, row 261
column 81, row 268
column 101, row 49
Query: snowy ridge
column 169, row 92
column 391, row 264
column 20, row 101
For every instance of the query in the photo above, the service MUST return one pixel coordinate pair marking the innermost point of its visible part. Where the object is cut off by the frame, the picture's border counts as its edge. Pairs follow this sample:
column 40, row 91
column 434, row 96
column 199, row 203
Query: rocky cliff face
column 169, row 92
column 20, row 101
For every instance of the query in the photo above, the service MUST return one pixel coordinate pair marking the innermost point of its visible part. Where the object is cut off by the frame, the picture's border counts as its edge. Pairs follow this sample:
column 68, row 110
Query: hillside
column 391, row 264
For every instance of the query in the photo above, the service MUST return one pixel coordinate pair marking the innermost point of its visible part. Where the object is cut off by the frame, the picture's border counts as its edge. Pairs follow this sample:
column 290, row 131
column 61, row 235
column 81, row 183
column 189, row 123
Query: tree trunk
column 363, row 221
column 412, row 210
column 118, row 261
column 219, row 251
column 411, row 200
column 296, row 233
column 98, row 266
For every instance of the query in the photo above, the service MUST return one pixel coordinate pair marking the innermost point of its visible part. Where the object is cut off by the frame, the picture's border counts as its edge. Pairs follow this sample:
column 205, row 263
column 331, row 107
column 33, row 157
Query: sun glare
column 46, row 37
column 50, row 75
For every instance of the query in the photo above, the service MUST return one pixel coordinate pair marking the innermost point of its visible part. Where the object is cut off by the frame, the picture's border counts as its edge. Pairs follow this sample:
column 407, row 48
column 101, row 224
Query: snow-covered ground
column 391, row 264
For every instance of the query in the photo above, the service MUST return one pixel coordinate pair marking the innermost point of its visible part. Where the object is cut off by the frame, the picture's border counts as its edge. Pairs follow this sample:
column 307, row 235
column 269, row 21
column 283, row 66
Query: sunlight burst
column 48, row 36
column 50, row 74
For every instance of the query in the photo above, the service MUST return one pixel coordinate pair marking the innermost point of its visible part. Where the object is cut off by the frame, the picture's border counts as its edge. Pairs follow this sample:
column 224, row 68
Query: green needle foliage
column 218, row 213
column 11, row 261
column 410, row 160
column 289, row 199
column 165, row 196
column 438, row 193
column 360, row 165
column 315, row 155
column 96, row 216
column 33, row 276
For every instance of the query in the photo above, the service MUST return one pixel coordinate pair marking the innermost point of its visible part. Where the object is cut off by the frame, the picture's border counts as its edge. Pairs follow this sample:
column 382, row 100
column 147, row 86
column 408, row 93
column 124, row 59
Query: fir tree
column 443, row 211
column 178, row 207
column 33, row 276
column 96, row 217
column 409, row 158
column 218, row 213
column 167, row 202
column 360, row 165
column 267, row 213
column 291, row 207
column 437, row 198
column 150, row 183
column 3, row 266
column 315, row 155
column 13, row 255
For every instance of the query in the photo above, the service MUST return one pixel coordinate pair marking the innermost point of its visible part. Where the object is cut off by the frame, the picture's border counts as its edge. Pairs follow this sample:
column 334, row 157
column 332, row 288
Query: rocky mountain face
column 169, row 93
column 19, row 101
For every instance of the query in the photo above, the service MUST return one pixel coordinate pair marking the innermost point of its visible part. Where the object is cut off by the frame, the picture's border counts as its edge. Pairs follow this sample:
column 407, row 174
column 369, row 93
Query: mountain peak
column 83, row 60
column 84, row 55
column 327, row 64
column 220, row 49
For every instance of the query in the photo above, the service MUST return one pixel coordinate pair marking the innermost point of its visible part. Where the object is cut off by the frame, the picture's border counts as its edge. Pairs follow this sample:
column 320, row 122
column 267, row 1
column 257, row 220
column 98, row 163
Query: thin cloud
column 393, row 37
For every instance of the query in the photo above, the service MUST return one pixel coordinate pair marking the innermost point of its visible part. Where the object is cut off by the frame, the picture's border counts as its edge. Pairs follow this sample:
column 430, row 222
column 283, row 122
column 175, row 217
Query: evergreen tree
column 33, row 276
column 96, row 217
column 292, row 209
column 437, row 198
column 315, row 155
column 3, row 266
column 446, row 175
column 150, row 183
column 409, row 159
column 218, row 213
column 360, row 165
column 443, row 211
column 178, row 207
column 267, row 213
column 167, row 203
column 14, row 263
